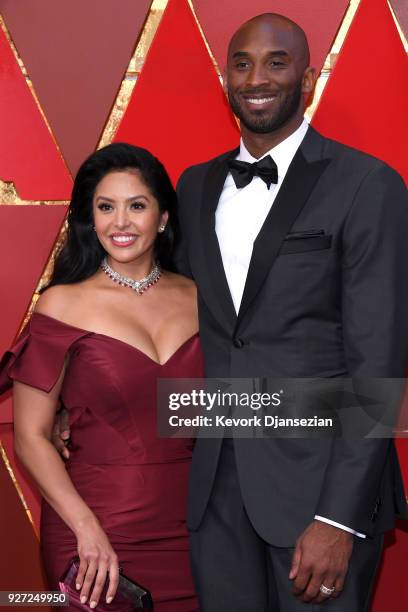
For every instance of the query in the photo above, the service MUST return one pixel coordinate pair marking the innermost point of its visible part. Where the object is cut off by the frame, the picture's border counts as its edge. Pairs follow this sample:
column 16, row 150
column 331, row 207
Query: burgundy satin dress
column 134, row 481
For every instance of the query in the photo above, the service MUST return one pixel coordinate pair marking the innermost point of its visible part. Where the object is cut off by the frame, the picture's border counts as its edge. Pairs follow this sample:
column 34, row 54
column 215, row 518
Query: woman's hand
column 97, row 559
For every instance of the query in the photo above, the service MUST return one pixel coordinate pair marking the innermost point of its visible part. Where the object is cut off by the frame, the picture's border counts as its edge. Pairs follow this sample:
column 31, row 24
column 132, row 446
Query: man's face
column 265, row 77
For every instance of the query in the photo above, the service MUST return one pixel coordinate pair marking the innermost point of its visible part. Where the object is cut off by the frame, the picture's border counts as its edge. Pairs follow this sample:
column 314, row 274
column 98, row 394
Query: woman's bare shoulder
column 56, row 301
column 182, row 282
column 181, row 288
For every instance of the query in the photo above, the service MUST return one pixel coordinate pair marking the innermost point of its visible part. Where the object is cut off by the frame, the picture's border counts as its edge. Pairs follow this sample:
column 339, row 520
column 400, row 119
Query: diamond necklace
column 140, row 286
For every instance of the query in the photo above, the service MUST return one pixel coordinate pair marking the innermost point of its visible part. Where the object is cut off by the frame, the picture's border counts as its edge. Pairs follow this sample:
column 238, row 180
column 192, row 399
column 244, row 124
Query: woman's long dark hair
column 82, row 253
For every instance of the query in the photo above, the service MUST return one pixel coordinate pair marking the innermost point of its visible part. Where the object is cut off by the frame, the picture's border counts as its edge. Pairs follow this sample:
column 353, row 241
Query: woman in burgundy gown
column 96, row 347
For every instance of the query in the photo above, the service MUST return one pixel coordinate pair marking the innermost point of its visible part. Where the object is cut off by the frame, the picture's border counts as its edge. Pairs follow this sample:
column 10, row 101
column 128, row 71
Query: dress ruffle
column 38, row 356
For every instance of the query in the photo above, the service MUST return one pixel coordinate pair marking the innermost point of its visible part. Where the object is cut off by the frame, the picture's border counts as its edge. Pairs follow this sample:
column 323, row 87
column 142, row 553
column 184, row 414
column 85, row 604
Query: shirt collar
column 283, row 153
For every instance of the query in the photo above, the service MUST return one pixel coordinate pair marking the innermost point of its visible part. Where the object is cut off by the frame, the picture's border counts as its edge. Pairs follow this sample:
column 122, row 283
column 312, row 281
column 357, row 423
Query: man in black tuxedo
column 300, row 262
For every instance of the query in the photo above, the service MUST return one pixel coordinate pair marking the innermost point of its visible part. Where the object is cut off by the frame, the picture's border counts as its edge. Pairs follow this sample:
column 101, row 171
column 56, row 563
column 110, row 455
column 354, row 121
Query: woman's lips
column 123, row 240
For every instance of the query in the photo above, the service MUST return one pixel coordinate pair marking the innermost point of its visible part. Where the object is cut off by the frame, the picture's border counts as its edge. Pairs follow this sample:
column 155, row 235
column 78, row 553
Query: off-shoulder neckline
column 88, row 332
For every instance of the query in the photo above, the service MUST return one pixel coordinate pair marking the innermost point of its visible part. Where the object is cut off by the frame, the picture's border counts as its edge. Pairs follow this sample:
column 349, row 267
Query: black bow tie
column 243, row 172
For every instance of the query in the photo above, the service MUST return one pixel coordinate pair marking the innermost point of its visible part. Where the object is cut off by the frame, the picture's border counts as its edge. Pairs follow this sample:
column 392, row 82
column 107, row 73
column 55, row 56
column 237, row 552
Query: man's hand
column 61, row 433
column 321, row 556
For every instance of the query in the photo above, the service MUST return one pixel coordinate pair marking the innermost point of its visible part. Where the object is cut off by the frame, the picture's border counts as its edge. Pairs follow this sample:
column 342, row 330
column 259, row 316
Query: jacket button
column 238, row 342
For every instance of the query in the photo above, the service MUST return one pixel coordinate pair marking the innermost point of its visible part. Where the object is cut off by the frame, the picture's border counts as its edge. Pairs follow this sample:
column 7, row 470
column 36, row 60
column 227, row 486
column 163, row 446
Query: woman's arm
column 34, row 413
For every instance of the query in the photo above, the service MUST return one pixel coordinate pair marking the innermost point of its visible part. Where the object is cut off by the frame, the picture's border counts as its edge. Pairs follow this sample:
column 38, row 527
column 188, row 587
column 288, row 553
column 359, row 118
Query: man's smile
column 258, row 100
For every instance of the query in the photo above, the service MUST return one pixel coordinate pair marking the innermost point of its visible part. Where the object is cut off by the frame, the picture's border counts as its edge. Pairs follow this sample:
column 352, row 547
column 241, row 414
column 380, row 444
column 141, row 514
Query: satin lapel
column 219, row 295
column 297, row 186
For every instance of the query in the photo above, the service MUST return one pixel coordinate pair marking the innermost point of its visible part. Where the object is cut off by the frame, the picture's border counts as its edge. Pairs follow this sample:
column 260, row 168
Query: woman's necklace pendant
column 139, row 286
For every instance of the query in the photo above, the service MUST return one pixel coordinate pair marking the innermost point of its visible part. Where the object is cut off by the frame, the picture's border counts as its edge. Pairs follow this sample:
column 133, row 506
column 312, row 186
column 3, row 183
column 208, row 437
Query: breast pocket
column 308, row 240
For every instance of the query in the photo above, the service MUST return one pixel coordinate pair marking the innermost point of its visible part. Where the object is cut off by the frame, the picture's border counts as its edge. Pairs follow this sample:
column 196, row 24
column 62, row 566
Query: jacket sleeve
column 375, row 336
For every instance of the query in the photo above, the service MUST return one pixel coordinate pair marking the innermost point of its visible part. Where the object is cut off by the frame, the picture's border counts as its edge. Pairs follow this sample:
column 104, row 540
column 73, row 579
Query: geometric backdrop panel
column 319, row 18
column 401, row 12
column 28, row 488
column 390, row 591
column 178, row 109
column 28, row 155
column 365, row 105
column 28, row 234
column 76, row 53
column 20, row 556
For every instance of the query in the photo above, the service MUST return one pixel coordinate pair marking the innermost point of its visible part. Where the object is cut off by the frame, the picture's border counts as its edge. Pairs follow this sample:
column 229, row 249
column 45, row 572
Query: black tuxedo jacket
column 326, row 296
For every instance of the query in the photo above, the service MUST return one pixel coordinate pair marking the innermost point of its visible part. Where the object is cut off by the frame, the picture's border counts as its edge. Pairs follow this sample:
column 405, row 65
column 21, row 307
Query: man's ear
column 309, row 80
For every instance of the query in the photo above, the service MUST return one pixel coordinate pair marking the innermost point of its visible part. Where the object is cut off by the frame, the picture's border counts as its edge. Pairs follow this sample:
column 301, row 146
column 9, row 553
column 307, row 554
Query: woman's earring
column 162, row 228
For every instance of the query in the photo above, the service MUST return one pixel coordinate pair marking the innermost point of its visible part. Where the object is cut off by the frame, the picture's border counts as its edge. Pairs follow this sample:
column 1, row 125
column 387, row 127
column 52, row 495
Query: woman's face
column 127, row 217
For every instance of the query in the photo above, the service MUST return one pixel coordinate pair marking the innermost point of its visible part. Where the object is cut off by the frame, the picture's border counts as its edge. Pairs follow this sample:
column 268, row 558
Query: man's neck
column 259, row 144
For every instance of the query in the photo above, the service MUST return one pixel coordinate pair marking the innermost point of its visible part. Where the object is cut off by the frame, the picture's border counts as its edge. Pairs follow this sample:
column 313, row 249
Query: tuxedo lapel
column 220, row 296
column 301, row 177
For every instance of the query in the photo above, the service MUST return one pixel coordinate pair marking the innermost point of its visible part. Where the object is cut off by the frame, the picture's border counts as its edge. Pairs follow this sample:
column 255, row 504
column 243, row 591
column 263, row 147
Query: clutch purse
column 129, row 595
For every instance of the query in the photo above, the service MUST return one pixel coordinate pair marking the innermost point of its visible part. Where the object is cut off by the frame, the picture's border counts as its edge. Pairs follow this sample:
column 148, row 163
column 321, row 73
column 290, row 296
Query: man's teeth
column 123, row 238
column 260, row 100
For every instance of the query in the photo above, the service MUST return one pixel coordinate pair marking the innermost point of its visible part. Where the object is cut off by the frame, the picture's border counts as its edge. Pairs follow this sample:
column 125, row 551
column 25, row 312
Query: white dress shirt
column 239, row 217
column 241, row 212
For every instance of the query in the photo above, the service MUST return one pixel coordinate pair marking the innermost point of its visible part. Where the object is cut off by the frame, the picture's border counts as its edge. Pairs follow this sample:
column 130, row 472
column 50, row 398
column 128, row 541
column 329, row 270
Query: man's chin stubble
column 260, row 127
